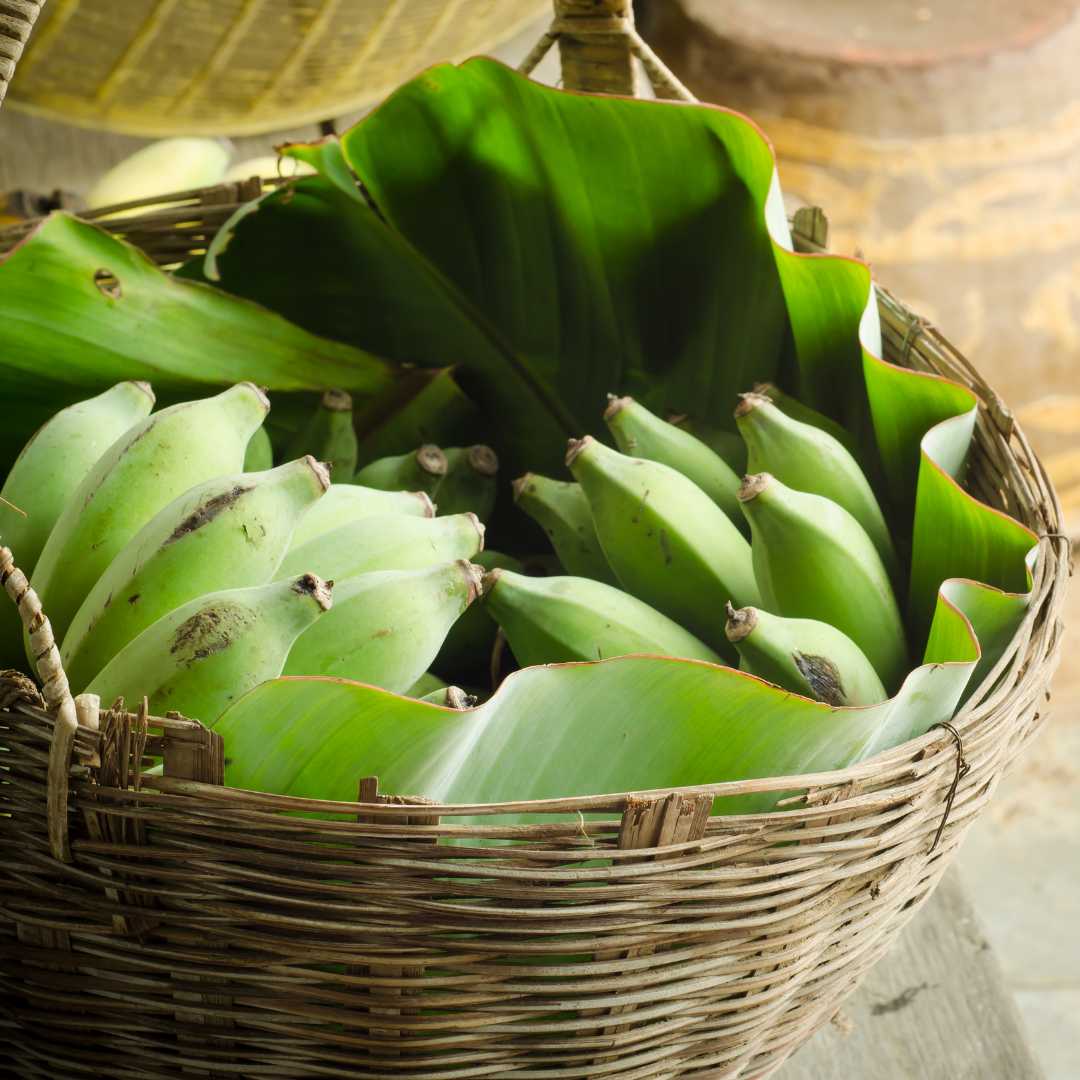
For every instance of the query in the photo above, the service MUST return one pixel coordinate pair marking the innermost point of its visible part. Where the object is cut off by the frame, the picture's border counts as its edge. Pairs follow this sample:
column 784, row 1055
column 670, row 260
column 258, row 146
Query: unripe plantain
column 813, row 560
column 387, row 627
column 795, row 409
column 229, row 533
column 667, row 541
column 418, row 470
column 329, row 436
column 558, row 620
column 804, row 656
column 562, row 511
column 201, row 657
column 351, row 502
column 642, row 435
column 259, row 455
column 153, row 463
column 807, row 458
column 386, row 542
column 49, row 469
column 469, row 483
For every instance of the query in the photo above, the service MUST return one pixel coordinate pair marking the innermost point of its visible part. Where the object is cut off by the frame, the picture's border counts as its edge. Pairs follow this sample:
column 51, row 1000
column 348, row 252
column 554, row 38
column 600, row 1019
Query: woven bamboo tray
column 164, row 926
column 241, row 67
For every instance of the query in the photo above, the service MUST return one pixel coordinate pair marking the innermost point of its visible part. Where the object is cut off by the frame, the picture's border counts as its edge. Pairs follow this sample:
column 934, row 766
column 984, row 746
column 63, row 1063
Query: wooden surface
column 936, row 1007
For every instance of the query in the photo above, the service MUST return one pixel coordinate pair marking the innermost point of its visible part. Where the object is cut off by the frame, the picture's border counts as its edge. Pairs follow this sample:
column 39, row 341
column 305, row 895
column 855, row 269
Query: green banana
column 329, row 436
column 418, row 470
column 804, row 656
column 201, row 657
column 807, row 458
column 469, row 483
column 386, row 542
column 667, row 541
column 794, row 408
column 466, row 653
column 813, row 560
column 351, row 502
column 49, row 469
column 259, row 456
column 153, row 463
column 562, row 511
column 727, row 444
column 228, row 533
column 640, row 434
column 386, row 628
column 451, row 697
column 559, row 620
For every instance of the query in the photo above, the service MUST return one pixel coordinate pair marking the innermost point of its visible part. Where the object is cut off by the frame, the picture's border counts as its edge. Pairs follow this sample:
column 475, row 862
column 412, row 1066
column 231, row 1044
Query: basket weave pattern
column 199, row 929
column 176, row 67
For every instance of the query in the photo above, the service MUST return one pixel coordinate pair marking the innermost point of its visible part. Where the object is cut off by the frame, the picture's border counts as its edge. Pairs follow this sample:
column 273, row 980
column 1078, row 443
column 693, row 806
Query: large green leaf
column 81, row 310
column 543, row 242
column 628, row 724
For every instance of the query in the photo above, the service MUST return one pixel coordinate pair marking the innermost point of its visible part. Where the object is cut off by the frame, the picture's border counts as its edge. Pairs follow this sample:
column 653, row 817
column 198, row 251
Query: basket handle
column 14, row 30
column 58, row 700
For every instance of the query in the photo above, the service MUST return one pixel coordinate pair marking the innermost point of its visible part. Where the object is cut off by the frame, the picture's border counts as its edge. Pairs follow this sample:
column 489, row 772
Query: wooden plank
column 936, row 1007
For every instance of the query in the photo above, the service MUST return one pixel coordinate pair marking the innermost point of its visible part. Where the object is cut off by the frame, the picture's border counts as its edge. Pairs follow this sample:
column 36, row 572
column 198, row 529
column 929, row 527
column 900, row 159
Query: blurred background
column 942, row 141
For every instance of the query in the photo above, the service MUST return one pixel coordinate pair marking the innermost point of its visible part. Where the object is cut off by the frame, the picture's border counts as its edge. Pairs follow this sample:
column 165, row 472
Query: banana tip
column 315, row 587
column 575, row 446
column 321, row 470
column 431, row 459
column 479, row 527
column 616, row 405
column 483, row 459
column 474, row 579
column 260, row 394
column 749, row 402
column 146, row 388
column 740, row 623
column 425, row 498
column 488, row 582
column 520, row 484
column 337, row 401
column 753, row 485
column 456, row 698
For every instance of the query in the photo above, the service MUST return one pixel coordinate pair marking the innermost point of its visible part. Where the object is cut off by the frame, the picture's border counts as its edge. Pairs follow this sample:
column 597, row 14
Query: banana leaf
column 81, row 310
column 560, row 220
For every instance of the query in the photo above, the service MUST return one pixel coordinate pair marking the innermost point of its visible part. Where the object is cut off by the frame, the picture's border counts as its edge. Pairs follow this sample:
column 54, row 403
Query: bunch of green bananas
column 789, row 572
column 174, row 560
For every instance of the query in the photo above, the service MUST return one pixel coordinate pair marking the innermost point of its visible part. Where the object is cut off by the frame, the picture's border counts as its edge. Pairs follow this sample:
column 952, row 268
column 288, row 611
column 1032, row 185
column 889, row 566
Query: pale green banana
column 153, row 463
column 559, row 620
column 667, row 541
column 804, row 656
column 813, row 560
column 808, row 458
column 640, row 434
column 727, row 444
column 465, row 655
column 259, row 455
column 794, row 408
column 562, row 511
column 386, row 628
column 386, row 542
column 229, row 533
column 418, row 470
column 49, row 469
column 469, row 483
column 201, row 657
column 451, row 697
column 329, row 436
column 351, row 502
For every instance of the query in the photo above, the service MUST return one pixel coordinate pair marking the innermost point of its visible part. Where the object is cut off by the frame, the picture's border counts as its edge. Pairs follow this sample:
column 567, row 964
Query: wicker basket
column 159, row 67
column 166, row 926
